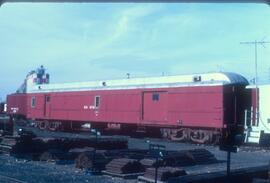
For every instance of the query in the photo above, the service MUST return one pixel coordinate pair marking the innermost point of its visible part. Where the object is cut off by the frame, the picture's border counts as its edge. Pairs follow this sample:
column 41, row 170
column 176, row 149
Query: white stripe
column 120, row 88
column 209, row 79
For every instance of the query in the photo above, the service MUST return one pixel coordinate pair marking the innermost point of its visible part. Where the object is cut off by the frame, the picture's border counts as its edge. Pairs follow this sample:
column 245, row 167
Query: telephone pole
column 256, row 43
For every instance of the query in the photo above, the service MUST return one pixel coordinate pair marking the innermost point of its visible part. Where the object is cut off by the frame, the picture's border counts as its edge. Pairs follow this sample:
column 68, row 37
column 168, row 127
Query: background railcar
column 257, row 115
column 17, row 104
column 189, row 107
column 3, row 107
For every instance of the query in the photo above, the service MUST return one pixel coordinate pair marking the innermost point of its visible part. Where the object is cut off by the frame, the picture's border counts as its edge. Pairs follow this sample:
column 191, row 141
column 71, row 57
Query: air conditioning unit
column 197, row 78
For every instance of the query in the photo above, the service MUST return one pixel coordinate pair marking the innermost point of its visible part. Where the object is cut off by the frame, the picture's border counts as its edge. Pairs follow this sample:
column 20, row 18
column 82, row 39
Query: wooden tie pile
column 202, row 156
column 91, row 160
column 124, row 166
column 7, row 144
column 164, row 173
column 148, row 162
column 188, row 158
column 37, row 145
column 179, row 158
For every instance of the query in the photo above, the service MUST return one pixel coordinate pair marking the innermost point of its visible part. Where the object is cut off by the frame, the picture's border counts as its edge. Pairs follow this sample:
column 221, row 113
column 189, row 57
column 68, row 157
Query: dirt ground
column 41, row 172
column 44, row 172
column 245, row 157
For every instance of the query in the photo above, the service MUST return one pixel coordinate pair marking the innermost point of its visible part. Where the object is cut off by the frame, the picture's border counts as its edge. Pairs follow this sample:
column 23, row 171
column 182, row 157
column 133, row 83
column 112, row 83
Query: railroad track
column 8, row 179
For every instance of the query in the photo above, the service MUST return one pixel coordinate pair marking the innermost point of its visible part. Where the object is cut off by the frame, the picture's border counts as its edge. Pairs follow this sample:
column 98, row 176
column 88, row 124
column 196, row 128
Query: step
column 253, row 140
column 256, row 134
column 255, row 128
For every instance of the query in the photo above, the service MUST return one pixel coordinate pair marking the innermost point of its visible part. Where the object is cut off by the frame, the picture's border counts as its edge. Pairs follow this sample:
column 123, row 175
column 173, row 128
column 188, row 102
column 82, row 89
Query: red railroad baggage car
column 184, row 107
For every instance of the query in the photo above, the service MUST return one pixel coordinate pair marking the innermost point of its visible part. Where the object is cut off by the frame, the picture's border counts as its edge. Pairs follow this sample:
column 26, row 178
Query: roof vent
column 197, row 78
column 104, row 83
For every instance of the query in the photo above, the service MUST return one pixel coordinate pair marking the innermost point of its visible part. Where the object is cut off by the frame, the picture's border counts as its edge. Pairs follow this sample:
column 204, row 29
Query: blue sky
column 79, row 42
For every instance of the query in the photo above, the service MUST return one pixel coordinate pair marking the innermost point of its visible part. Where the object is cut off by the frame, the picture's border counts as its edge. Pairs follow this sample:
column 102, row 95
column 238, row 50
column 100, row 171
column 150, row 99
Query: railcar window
column 48, row 98
column 155, row 97
column 33, row 102
column 97, row 101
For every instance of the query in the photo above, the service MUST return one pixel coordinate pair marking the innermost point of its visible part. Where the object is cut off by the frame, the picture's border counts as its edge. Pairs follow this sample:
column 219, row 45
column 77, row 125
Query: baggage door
column 155, row 106
column 47, row 106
